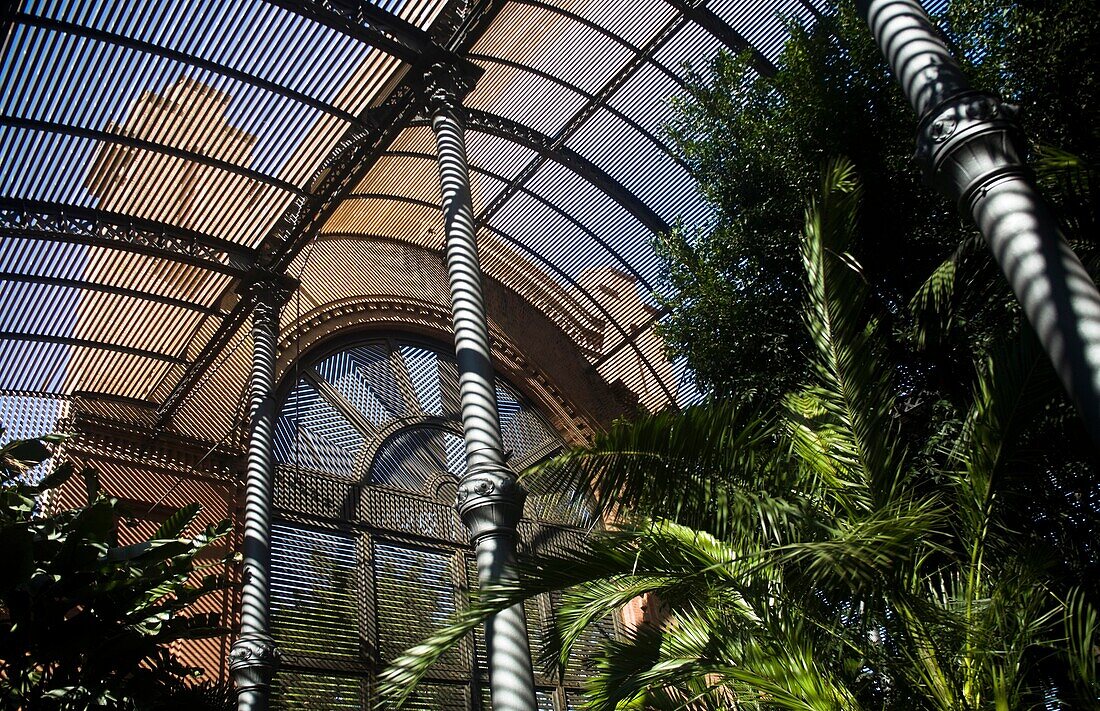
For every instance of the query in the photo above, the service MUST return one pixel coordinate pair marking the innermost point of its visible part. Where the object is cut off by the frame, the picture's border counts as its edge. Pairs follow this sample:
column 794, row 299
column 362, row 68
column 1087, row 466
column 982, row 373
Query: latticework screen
column 369, row 555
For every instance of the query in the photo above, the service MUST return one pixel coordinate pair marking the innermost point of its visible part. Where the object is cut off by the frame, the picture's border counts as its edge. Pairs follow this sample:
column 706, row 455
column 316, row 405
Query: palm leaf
column 706, row 467
column 1014, row 384
column 1082, row 630
column 175, row 524
column 854, row 389
column 663, row 557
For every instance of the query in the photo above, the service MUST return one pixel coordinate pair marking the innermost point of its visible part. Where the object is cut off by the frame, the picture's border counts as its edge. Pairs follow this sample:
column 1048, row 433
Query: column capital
column 448, row 83
column 253, row 660
column 266, row 292
column 260, row 285
column 490, row 501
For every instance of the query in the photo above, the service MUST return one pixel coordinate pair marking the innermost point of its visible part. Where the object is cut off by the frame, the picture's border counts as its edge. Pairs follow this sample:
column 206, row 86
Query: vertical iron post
column 968, row 144
column 253, row 657
column 490, row 501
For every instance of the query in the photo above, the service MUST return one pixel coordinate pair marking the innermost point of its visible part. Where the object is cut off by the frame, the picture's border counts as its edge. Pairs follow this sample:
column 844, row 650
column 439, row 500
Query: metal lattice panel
column 316, row 692
column 155, row 151
column 393, row 511
column 314, row 604
column 385, row 554
column 415, row 590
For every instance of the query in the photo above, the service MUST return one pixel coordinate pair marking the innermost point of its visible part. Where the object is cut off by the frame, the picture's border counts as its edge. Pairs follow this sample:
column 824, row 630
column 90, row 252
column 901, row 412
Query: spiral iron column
column 490, row 501
column 254, row 657
column 968, row 143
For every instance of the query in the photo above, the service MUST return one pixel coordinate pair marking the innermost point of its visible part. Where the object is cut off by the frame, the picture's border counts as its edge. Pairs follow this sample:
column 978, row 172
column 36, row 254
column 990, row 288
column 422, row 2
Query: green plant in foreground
column 85, row 622
column 812, row 554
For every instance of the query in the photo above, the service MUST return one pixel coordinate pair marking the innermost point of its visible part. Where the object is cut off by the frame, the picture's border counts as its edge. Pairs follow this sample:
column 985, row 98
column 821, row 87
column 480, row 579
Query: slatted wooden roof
column 153, row 153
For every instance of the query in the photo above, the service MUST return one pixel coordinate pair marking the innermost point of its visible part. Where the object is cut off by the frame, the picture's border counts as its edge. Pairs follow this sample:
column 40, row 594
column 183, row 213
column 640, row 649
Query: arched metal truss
column 320, row 95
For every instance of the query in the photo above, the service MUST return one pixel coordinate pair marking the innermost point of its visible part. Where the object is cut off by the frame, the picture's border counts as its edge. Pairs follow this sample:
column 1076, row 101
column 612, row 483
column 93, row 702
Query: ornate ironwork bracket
column 45, row 220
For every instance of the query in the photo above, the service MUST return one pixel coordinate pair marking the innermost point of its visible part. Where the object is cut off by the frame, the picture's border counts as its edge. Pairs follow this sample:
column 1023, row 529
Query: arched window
column 368, row 554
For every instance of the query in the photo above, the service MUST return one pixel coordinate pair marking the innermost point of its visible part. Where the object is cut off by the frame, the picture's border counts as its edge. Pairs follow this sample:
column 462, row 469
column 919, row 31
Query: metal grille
column 313, row 594
column 312, row 433
column 363, row 376
column 420, row 363
column 414, row 458
column 387, row 510
column 315, row 692
column 439, row 697
column 415, row 592
column 370, row 452
column 23, row 416
column 545, row 699
column 313, row 494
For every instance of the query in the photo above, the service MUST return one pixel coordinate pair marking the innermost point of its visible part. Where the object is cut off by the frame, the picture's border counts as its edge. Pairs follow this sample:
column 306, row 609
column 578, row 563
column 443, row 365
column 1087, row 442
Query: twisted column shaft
column 254, row 657
column 489, row 500
column 968, row 143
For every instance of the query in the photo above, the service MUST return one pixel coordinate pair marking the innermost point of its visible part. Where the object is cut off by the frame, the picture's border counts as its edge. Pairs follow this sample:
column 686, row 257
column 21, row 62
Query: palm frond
column 870, row 550
column 1072, row 183
column 714, row 467
column 614, row 567
column 854, row 387
column 1014, row 384
column 933, row 305
column 1082, row 630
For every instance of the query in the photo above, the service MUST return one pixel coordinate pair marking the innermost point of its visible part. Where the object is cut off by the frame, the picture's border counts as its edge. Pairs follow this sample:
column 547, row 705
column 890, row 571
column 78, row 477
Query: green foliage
column 853, row 575
column 84, row 622
column 755, row 145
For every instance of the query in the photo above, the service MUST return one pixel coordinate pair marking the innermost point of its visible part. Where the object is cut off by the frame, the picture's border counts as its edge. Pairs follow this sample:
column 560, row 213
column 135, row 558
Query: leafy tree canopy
column 755, row 145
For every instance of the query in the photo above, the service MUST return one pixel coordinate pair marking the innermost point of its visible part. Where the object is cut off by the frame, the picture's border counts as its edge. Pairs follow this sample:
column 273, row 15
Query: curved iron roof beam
column 551, row 149
column 599, row 307
column 370, row 23
column 85, row 343
column 28, row 219
column 152, row 146
column 641, row 57
column 85, row 285
column 588, row 97
column 178, row 56
column 611, row 251
column 706, row 18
